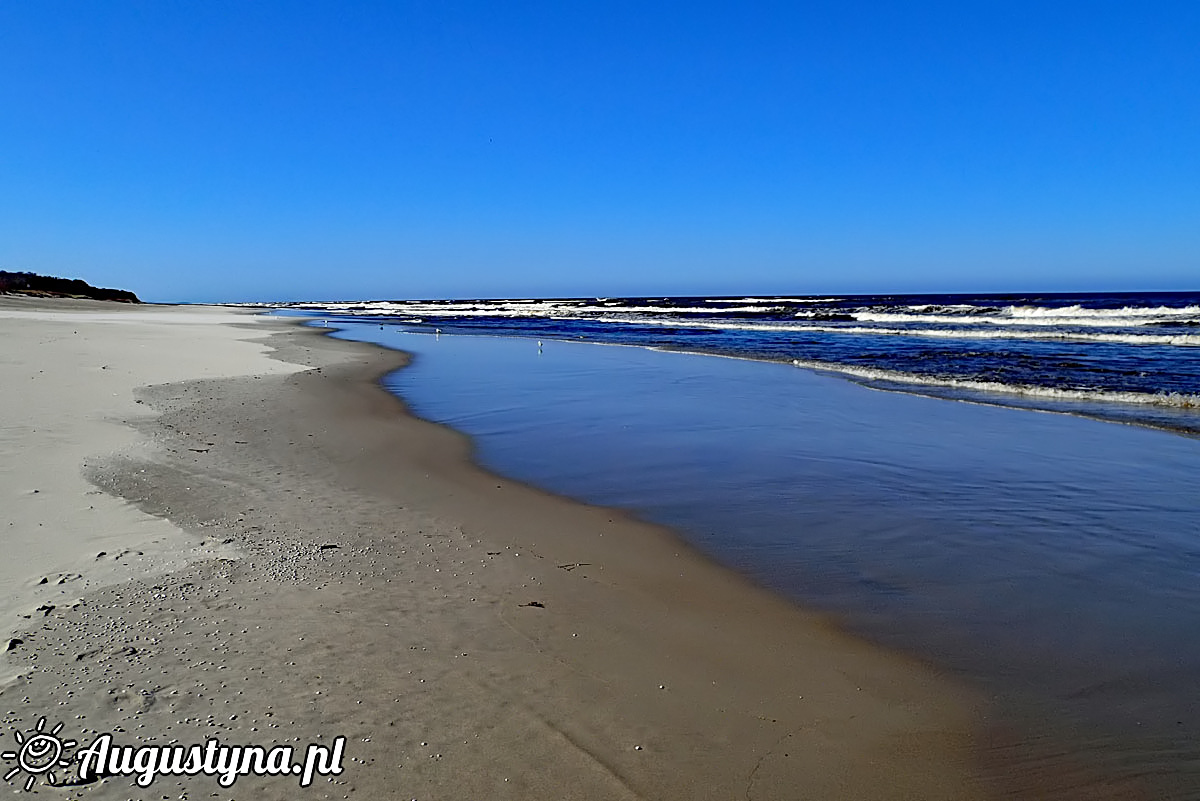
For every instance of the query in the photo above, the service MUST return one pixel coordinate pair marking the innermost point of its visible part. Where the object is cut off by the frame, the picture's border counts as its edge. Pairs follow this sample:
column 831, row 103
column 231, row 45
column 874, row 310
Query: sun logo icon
column 40, row 753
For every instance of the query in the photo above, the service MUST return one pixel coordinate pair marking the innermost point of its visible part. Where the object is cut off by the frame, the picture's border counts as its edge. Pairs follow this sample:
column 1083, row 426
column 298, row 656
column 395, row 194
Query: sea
column 1125, row 356
column 1007, row 486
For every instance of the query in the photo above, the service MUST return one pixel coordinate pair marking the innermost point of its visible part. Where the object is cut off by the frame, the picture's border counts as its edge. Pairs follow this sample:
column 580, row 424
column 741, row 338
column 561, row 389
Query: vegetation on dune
column 49, row 286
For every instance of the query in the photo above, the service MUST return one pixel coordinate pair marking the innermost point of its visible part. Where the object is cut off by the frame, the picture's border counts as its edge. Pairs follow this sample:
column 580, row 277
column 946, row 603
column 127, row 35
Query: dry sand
column 68, row 372
column 338, row 567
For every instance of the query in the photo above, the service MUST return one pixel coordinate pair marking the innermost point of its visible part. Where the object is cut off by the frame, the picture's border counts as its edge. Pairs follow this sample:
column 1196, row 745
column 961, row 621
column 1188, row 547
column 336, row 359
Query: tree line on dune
column 49, row 286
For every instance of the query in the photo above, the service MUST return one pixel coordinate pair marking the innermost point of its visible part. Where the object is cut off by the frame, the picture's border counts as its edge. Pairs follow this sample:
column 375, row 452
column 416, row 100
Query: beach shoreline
column 470, row 636
column 69, row 397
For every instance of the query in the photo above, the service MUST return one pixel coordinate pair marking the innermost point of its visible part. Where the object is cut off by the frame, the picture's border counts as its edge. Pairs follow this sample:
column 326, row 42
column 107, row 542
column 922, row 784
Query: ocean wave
column 671, row 309
column 773, row 300
column 1046, row 320
column 1079, row 316
column 953, row 308
column 946, row 326
column 1074, row 310
column 1075, row 316
column 1124, row 311
column 1178, row 340
column 1173, row 400
column 524, row 308
column 391, row 308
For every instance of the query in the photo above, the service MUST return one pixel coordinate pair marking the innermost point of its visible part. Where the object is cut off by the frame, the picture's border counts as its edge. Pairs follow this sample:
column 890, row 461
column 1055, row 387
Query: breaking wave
column 1167, row 399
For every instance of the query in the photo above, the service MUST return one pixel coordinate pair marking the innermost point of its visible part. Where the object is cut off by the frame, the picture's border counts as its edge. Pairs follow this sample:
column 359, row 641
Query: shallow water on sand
column 1055, row 560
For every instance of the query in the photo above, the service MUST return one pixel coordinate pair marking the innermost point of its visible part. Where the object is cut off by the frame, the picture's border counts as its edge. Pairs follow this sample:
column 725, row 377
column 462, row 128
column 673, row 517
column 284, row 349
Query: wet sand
column 1047, row 559
column 347, row 570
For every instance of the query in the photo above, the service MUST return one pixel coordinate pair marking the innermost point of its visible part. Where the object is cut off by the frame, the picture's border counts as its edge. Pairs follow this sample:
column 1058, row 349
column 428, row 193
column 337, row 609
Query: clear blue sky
column 285, row 150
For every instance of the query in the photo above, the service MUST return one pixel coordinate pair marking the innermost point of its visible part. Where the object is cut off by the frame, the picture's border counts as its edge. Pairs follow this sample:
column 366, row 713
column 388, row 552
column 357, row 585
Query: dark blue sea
column 1053, row 559
column 1124, row 356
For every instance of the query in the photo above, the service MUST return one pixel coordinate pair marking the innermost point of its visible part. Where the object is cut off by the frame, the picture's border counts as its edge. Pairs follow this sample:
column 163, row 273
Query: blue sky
column 267, row 150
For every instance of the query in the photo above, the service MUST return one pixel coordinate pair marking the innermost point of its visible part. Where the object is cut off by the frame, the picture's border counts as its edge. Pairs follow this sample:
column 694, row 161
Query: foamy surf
column 1129, row 351
column 1168, row 399
column 1178, row 340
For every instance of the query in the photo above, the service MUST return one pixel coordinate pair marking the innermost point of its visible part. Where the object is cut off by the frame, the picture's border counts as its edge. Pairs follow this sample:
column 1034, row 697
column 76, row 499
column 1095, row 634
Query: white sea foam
column 546, row 308
column 1129, row 316
column 666, row 309
column 953, row 307
column 773, row 300
column 1180, row 340
column 1168, row 399
column 1029, row 320
column 956, row 314
column 384, row 308
column 1124, row 311
column 523, row 308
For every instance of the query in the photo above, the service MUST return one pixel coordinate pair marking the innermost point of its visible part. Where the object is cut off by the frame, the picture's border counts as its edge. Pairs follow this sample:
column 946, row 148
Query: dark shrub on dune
column 48, row 286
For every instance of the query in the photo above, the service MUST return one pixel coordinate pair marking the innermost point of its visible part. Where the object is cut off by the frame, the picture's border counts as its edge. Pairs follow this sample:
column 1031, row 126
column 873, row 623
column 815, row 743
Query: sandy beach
column 243, row 537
